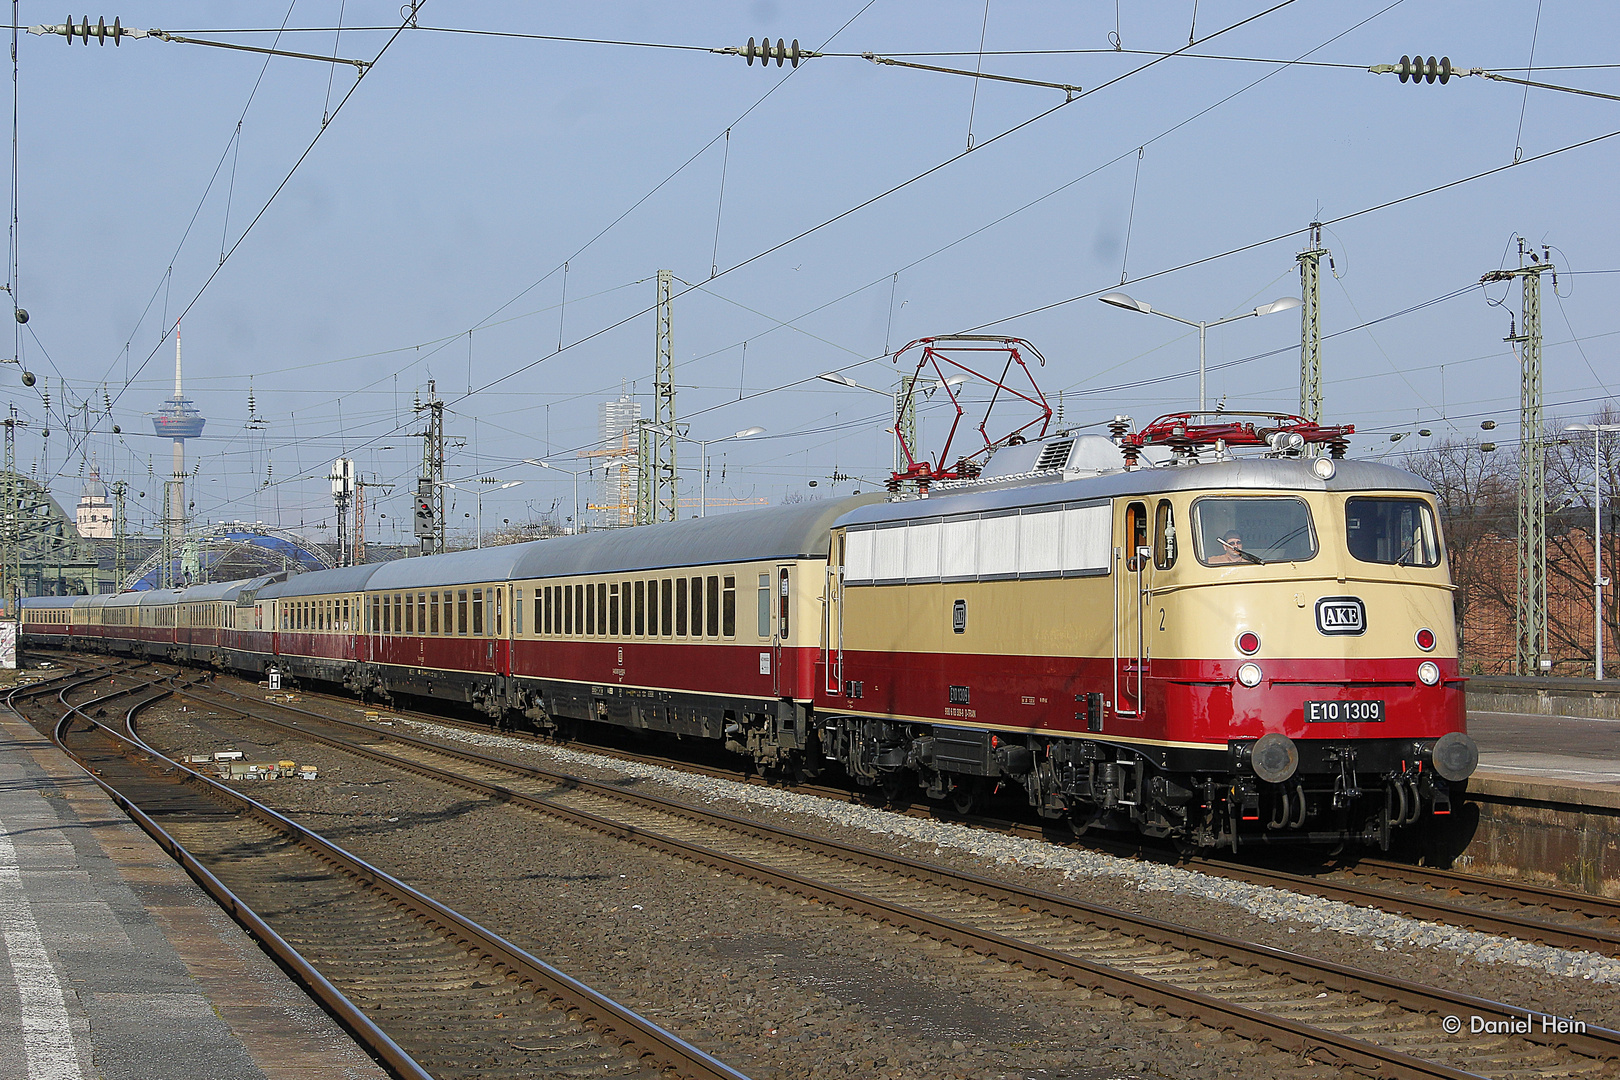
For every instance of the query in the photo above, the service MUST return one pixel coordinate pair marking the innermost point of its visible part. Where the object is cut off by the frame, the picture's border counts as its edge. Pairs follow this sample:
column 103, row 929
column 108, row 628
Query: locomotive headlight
column 1428, row 673
column 1324, row 468
column 1249, row 674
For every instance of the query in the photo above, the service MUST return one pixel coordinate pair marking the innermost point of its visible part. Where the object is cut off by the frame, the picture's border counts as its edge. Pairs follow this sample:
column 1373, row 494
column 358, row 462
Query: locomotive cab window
column 1136, row 535
column 1399, row 532
column 1164, row 535
column 1253, row 530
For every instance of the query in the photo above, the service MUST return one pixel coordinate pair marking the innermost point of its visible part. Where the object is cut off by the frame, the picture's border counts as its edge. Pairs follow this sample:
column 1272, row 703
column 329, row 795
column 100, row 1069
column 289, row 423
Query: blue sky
column 423, row 235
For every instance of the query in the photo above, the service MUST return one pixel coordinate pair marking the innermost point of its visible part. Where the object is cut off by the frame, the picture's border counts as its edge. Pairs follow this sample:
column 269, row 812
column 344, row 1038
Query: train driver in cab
column 1231, row 550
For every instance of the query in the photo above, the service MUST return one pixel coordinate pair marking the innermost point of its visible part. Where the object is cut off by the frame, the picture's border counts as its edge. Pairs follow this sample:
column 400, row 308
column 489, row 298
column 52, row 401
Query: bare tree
column 1476, row 493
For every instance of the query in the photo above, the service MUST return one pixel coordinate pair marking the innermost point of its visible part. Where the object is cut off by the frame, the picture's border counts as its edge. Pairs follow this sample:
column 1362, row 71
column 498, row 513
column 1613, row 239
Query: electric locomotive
column 1219, row 650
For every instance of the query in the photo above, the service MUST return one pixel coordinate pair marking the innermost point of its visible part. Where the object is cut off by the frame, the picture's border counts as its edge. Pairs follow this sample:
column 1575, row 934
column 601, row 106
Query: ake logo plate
column 1338, row 616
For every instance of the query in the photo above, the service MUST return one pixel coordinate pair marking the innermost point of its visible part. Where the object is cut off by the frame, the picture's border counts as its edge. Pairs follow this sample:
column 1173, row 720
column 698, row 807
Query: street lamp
column 1598, row 580
column 703, row 458
column 1120, row 300
column 838, row 378
column 570, row 472
column 478, row 495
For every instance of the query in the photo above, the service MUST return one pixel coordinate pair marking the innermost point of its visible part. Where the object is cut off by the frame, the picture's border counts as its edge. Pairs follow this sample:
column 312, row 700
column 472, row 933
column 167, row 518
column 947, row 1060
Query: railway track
column 1488, row 905
column 430, row 993
column 1370, row 1022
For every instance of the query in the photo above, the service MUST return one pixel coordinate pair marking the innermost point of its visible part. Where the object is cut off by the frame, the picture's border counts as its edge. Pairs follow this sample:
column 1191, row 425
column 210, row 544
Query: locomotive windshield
column 1254, row 530
column 1387, row 530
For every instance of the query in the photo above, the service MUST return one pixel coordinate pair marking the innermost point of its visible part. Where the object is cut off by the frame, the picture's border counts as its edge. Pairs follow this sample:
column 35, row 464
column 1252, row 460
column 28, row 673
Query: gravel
column 778, row 987
column 1264, row 902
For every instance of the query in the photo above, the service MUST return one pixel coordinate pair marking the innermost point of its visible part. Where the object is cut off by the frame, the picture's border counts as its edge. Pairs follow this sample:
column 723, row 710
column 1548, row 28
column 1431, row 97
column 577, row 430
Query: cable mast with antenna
column 1531, row 654
column 430, row 481
column 1310, row 322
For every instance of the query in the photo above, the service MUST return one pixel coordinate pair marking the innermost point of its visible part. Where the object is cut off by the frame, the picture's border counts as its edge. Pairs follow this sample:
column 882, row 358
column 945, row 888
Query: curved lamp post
column 1120, row 300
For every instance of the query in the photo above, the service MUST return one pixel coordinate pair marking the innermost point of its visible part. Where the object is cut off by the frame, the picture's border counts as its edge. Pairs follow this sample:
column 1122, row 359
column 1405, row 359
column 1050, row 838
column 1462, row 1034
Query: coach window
column 517, row 612
column 730, row 607
column 421, row 613
column 478, row 612
column 410, row 616
column 666, row 602
column 764, row 605
column 711, row 607
column 433, row 612
column 697, row 607
column 1164, row 535
column 461, row 611
column 500, row 610
column 612, row 609
column 601, row 608
column 590, row 609
column 641, row 608
column 542, row 610
column 782, row 601
column 680, row 607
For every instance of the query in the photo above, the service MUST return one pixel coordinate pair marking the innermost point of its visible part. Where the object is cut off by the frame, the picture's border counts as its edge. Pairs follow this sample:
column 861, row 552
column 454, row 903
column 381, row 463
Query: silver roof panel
column 1272, row 474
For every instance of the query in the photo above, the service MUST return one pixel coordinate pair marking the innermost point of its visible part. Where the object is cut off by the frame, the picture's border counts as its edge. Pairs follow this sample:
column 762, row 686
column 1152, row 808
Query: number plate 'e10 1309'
column 1344, row 712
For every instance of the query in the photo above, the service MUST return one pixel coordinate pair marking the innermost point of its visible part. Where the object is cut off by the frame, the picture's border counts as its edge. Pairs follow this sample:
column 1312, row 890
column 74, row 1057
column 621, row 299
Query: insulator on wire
column 765, row 52
column 1416, row 69
column 101, row 31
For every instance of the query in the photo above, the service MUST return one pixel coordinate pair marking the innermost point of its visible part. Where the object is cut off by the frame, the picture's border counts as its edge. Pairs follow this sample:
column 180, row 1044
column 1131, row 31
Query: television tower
column 179, row 420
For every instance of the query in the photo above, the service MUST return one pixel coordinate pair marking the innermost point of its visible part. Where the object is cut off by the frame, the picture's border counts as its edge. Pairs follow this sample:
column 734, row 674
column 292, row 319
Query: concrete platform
column 113, row 963
column 1578, row 750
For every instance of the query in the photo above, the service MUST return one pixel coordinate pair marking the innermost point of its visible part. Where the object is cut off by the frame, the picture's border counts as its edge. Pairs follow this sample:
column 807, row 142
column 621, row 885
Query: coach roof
column 345, row 579
column 784, row 532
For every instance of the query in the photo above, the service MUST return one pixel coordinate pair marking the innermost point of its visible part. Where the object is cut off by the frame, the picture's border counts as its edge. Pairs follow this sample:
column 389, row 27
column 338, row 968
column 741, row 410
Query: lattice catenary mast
column 1530, row 609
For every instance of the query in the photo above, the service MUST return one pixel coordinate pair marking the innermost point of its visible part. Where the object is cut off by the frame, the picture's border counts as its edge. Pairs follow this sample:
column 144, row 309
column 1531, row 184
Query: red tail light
column 1248, row 643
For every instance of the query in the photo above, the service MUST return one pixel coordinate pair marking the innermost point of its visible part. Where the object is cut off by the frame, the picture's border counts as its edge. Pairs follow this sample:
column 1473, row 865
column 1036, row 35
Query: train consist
column 1142, row 632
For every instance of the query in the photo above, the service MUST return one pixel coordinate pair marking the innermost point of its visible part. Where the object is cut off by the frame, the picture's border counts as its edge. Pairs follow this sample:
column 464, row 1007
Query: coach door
column 832, row 627
column 1131, row 560
column 781, row 685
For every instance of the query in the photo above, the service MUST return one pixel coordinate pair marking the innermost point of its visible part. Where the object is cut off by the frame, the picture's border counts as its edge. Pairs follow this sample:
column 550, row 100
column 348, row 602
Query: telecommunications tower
column 179, row 420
